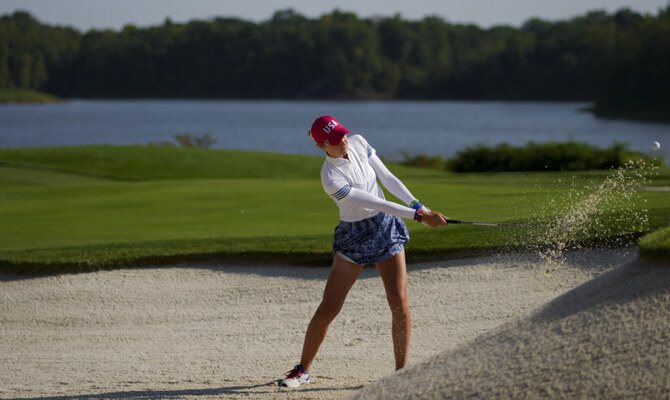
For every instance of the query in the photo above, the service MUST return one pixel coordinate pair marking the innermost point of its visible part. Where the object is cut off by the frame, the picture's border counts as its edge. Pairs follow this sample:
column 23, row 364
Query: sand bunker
column 605, row 339
column 230, row 332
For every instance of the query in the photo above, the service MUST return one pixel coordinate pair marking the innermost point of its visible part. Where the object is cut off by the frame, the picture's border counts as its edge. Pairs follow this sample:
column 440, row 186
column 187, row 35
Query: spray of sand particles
column 608, row 210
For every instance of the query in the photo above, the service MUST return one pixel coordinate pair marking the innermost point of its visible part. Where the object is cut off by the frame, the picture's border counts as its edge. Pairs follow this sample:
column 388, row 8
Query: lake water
column 394, row 128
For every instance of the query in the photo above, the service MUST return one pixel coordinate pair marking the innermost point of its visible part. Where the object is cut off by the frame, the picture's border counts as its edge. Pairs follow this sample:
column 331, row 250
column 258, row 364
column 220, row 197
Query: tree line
column 621, row 61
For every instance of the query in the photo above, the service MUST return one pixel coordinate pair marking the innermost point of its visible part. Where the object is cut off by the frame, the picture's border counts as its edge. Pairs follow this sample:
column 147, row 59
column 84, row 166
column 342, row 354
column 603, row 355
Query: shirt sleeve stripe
column 342, row 193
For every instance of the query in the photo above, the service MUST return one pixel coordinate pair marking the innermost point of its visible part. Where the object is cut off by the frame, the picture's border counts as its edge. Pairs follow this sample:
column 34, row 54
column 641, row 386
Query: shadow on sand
column 242, row 391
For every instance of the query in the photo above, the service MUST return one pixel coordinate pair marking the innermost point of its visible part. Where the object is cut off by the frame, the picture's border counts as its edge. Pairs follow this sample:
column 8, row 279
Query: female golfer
column 370, row 231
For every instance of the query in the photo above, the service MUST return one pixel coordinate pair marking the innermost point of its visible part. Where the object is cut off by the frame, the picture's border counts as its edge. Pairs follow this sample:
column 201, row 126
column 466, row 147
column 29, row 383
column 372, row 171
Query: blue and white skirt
column 370, row 240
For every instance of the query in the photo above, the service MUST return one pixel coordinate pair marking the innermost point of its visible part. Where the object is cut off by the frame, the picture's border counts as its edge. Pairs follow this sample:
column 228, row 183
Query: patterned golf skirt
column 370, row 240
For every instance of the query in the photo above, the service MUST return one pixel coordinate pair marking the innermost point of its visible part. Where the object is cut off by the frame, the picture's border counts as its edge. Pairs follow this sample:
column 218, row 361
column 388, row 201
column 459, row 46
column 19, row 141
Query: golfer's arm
column 390, row 182
column 360, row 198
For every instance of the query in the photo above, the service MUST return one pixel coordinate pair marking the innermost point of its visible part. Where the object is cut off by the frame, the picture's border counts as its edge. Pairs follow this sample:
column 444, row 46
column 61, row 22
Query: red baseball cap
column 328, row 130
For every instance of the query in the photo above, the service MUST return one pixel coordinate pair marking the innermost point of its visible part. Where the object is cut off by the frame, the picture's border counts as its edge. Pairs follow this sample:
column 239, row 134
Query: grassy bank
column 656, row 246
column 85, row 208
column 10, row 96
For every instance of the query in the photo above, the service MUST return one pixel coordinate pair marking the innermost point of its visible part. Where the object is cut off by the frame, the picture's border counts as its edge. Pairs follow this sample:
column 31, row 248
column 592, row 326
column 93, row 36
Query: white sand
column 231, row 332
column 607, row 339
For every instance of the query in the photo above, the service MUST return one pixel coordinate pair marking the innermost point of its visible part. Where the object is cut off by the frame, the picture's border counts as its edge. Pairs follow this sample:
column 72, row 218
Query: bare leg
column 394, row 275
column 343, row 275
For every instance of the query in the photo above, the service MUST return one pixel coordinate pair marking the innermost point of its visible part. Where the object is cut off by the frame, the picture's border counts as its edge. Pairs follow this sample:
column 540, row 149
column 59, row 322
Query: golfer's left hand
column 434, row 219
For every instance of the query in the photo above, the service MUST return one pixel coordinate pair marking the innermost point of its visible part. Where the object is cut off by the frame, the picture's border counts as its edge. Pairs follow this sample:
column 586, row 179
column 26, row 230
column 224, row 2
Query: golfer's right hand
column 434, row 219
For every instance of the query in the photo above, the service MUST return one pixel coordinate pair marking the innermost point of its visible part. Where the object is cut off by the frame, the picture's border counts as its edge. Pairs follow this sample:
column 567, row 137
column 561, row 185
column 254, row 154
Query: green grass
column 142, row 163
column 26, row 96
column 656, row 245
column 86, row 208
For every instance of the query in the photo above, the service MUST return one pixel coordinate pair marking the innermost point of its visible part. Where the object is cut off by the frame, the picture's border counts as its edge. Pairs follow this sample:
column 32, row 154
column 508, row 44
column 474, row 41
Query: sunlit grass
column 102, row 206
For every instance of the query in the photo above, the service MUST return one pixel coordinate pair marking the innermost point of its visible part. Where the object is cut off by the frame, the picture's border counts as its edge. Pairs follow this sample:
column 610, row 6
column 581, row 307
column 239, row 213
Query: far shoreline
column 34, row 97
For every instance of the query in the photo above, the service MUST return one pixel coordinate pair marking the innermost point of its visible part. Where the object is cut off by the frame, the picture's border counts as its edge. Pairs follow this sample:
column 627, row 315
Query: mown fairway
column 106, row 206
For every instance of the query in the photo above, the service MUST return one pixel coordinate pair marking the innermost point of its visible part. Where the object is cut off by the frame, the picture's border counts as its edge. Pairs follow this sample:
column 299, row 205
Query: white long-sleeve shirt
column 352, row 183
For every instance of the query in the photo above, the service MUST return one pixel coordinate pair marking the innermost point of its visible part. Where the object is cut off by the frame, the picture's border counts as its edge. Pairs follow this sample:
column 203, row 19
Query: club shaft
column 456, row 221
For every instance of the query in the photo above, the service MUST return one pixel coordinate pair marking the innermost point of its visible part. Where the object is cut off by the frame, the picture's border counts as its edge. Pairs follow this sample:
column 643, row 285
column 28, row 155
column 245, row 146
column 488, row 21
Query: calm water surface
column 394, row 128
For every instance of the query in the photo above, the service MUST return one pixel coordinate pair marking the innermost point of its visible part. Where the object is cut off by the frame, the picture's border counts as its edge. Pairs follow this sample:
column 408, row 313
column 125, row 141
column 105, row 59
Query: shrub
column 551, row 156
column 188, row 140
column 422, row 161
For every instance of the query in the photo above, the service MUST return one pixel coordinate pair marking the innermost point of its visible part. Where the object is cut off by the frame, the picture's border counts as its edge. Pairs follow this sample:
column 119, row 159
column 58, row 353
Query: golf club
column 456, row 221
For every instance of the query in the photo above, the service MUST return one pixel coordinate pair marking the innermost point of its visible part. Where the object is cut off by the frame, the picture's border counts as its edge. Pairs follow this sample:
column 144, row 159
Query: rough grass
column 84, row 208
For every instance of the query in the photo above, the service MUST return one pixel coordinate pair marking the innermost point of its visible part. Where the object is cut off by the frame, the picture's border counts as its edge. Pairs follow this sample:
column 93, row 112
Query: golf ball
column 655, row 146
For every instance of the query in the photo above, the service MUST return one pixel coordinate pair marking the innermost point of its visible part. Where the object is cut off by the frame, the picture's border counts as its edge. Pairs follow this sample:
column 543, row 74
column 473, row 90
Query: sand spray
column 608, row 210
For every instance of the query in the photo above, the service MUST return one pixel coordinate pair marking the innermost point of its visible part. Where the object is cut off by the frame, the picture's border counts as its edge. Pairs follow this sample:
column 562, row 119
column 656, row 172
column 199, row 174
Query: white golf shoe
column 295, row 377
